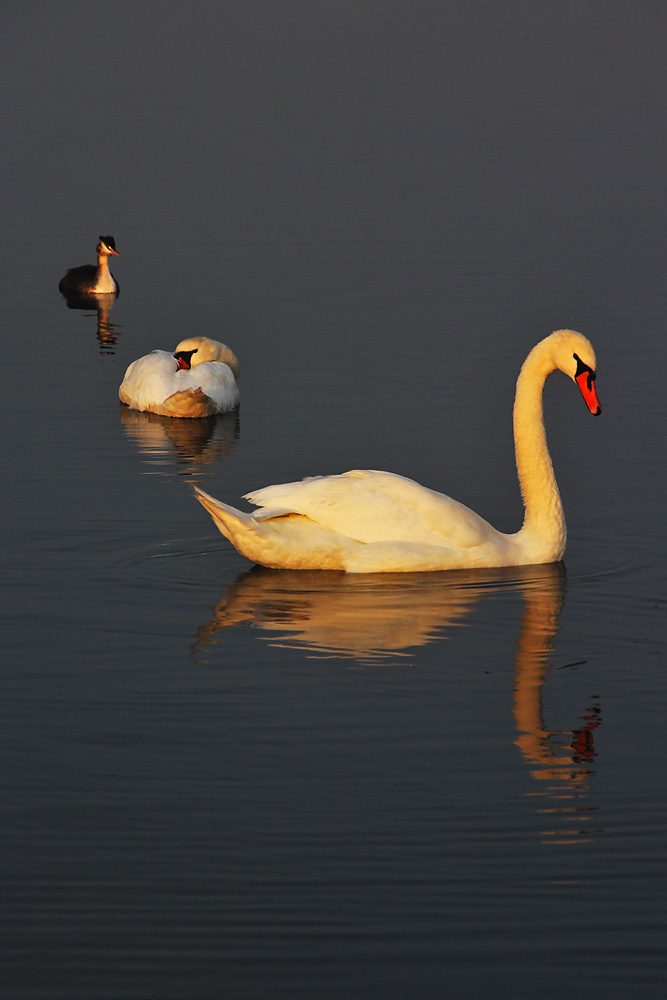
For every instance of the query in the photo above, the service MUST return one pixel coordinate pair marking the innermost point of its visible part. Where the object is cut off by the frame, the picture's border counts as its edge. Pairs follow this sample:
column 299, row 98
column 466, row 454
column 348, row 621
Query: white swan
column 197, row 380
column 91, row 280
column 372, row 522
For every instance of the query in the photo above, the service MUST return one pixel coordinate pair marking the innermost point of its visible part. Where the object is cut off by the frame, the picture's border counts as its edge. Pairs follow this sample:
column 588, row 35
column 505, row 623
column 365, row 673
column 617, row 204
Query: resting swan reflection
column 197, row 380
column 179, row 445
column 371, row 522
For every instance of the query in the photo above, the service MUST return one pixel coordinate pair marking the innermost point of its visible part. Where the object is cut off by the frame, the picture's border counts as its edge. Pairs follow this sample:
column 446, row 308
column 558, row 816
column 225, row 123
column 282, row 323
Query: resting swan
column 373, row 522
column 197, row 380
column 89, row 279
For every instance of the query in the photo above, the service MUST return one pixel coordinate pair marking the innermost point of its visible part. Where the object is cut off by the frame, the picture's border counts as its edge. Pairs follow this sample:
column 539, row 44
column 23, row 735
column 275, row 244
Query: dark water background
column 227, row 782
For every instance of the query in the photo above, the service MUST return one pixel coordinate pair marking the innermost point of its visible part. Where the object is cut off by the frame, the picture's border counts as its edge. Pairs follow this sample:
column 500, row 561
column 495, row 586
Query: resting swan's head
column 196, row 350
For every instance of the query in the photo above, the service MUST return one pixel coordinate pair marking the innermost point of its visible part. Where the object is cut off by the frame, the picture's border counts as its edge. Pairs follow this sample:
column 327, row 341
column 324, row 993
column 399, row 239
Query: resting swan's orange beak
column 586, row 382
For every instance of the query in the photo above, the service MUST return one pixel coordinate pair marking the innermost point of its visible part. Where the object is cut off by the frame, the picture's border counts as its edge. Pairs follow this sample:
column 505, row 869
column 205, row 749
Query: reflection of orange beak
column 587, row 389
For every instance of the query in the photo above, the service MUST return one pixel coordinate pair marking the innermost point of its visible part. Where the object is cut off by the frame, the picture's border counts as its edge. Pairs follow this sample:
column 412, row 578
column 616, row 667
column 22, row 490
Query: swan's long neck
column 544, row 521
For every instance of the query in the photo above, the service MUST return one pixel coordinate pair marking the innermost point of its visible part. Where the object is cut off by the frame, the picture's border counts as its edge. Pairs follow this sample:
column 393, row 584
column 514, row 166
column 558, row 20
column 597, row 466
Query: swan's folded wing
column 188, row 403
column 216, row 379
column 372, row 506
column 148, row 380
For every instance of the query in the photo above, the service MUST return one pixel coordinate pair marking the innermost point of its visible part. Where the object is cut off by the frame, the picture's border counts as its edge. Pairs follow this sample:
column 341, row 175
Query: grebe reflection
column 99, row 305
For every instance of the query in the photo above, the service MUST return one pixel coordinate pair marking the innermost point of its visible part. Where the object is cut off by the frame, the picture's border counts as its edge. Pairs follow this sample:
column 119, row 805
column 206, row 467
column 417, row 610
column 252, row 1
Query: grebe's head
column 106, row 246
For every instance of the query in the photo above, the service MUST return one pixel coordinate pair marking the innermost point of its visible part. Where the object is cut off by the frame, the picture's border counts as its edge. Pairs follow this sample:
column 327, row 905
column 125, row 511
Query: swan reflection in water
column 378, row 617
column 99, row 305
column 193, row 444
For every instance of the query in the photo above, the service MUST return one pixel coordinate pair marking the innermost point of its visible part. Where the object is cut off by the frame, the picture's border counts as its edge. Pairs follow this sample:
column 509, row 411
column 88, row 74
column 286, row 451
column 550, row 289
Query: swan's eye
column 584, row 368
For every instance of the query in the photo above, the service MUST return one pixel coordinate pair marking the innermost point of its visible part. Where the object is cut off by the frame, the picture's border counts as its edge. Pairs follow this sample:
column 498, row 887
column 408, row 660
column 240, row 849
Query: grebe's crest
column 109, row 243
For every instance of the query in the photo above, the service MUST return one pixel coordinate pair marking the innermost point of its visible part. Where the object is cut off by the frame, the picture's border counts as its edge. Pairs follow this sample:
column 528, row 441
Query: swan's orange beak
column 184, row 360
column 586, row 382
column 111, row 250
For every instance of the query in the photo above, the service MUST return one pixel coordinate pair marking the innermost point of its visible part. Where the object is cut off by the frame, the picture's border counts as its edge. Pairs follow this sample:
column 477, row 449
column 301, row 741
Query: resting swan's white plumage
column 197, row 380
column 371, row 522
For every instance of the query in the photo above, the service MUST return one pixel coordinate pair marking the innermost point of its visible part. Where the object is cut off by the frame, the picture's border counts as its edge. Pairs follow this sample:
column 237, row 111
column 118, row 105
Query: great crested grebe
column 197, row 380
column 91, row 280
column 374, row 522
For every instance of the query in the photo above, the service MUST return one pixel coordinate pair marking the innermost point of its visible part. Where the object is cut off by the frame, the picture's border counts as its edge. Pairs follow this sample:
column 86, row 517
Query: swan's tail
column 230, row 521
column 277, row 538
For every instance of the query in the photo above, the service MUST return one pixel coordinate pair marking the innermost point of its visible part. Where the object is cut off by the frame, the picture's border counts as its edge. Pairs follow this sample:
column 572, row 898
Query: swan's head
column 574, row 355
column 106, row 246
column 196, row 350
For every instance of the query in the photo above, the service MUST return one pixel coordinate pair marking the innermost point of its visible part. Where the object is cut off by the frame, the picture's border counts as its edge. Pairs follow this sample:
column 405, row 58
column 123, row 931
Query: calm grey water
column 220, row 781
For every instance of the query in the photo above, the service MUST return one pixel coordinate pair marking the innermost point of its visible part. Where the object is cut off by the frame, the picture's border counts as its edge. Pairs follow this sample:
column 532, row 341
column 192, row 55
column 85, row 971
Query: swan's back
column 372, row 506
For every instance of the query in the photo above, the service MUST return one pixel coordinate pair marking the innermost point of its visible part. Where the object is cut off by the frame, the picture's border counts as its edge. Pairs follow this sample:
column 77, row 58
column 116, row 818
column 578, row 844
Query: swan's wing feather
column 216, row 379
column 188, row 403
column 267, row 513
column 148, row 380
column 372, row 506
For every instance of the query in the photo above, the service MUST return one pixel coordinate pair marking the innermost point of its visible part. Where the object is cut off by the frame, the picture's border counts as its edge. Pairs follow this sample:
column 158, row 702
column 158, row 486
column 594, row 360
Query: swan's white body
column 158, row 383
column 369, row 522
